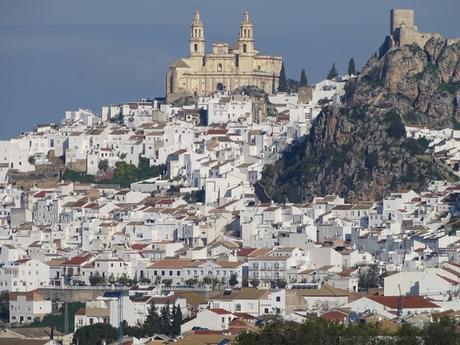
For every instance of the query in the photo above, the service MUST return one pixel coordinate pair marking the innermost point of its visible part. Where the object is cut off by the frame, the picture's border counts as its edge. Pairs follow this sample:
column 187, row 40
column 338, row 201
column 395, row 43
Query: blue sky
column 58, row 55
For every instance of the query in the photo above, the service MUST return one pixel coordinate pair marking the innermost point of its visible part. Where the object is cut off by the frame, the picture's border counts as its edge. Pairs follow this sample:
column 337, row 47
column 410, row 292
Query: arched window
column 195, row 47
column 219, row 67
column 245, row 48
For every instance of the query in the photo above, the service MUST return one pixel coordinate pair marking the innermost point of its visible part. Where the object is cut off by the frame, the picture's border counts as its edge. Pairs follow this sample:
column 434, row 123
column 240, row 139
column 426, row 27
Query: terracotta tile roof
column 335, row 316
column 77, row 260
column 408, row 302
column 220, row 311
column 175, row 263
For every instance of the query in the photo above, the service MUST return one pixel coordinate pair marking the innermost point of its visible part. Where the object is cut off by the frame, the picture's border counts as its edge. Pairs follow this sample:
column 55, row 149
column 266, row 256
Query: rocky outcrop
column 359, row 150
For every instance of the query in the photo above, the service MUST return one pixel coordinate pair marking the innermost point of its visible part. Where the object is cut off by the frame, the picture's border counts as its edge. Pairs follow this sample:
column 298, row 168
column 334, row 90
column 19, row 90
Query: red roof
column 335, row 316
column 217, row 131
column 42, row 193
column 220, row 311
column 21, row 261
column 139, row 246
column 245, row 251
column 409, row 302
column 77, row 260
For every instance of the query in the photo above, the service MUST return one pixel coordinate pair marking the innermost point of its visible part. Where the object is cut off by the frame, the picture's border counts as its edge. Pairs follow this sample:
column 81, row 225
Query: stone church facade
column 225, row 68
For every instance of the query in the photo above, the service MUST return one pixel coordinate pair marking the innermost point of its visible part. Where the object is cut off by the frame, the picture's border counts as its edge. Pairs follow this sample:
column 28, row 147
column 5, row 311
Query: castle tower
column 246, row 38
column 401, row 17
column 197, row 41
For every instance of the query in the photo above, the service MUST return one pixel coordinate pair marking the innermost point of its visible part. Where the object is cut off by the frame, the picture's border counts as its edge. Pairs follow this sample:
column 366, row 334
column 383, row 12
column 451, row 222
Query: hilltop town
column 153, row 210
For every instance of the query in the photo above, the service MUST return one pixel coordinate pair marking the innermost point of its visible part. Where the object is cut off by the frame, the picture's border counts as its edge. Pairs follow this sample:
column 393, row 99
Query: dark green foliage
column 416, row 146
column 332, row 74
column 451, row 88
column 254, row 282
column 351, row 67
column 372, row 161
column 303, row 78
column 369, row 278
column 4, row 306
column 167, row 321
column 396, row 128
column 95, row 334
column 320, row 331
column 233, row 281
column 195, row 196
column 191, row 282
column 58, row 320
column 103, row 165
column 282, row 83
column 441, row 332
column 97, row 280
column 124, row 173
column 75, row 176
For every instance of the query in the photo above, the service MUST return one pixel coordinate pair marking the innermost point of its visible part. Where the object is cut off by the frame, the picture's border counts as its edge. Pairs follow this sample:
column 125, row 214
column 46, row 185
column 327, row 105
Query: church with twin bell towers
column 225, row 68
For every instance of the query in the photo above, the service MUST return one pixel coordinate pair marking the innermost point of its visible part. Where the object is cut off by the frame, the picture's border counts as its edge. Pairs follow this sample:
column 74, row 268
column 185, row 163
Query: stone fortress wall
column 404, row 32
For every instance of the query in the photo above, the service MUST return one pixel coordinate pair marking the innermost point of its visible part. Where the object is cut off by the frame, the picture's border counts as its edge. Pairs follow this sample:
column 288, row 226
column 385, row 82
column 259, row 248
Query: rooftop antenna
column 399, row 302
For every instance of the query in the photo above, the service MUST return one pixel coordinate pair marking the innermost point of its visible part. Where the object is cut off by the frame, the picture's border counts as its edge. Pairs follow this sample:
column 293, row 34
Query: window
column 219, row 67
column 278, row 298
column 245, row 48
column 195, row 48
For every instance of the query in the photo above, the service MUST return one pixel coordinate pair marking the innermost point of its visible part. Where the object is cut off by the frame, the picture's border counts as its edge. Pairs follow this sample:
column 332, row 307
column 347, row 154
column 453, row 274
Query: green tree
column 165, row 320
column 152, row 322
column 332, row 74
column 97, row 280
column 233, row 281
column 103, row 165
column 280, row 283
column 176, row 320
column 282, row 83
column 95, row 334
column 4, row 306
column 408, row 335
column 207, row 280
column 303, row 78
column 124, row 280
column 255, row 282
column 441, row 332
column 368, row 278
column 351, row 67
column 190, row 282
column 167, row 282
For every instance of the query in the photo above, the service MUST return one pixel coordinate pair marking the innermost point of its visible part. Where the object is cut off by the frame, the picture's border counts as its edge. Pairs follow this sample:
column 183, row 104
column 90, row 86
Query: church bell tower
column 246, row 38
column 197, row 42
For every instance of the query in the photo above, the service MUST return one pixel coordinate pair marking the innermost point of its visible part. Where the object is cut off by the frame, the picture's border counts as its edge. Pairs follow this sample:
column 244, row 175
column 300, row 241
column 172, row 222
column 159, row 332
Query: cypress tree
column 303, row 78
column 351, row 67
column 177, row 320
column 165, row 320
column 282, row 84
column 152, row 322
column 332, row 74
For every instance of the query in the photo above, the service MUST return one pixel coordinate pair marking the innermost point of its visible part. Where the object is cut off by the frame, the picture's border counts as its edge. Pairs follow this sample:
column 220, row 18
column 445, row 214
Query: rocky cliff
column 359, row 149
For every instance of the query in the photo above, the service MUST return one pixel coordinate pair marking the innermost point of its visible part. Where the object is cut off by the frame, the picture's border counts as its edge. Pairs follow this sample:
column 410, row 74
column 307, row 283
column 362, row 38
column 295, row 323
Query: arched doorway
column 220, row 87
